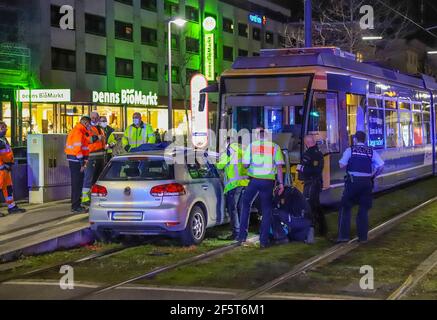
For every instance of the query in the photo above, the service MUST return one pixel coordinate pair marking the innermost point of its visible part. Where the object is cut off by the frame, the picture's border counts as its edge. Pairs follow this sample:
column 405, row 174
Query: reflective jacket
column 97, row 147
column 77, row 145
column 6, row 154
column 235, row 172
column 110, row 138
column 134, row 137
column 262, row 157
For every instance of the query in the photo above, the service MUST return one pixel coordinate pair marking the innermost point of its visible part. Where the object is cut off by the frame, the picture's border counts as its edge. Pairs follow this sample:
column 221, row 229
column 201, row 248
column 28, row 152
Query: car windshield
column 138, row 169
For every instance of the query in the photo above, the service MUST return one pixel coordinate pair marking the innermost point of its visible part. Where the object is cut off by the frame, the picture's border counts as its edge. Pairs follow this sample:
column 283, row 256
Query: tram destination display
column 376, row 128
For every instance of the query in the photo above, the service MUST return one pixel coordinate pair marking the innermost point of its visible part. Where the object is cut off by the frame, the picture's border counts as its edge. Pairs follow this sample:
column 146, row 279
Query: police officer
column 362, row 164
column 6, row 164
column 137, row 133
column 310, row 172
column 264, row 160
column 77, row 151
column 111, row 142
column 236, row 180
column 96, row 160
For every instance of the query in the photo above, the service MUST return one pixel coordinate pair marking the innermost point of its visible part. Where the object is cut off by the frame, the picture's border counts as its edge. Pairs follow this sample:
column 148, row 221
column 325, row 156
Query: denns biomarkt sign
column 126, row 96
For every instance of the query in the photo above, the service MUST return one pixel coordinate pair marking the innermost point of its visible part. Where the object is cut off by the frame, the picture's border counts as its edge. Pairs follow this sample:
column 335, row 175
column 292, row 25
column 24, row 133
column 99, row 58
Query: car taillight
column 98, row 191
column 165, row 190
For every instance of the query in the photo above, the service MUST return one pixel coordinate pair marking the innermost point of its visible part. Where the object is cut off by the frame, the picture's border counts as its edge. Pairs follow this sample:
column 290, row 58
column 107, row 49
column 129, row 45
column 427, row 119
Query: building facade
column 114, row 59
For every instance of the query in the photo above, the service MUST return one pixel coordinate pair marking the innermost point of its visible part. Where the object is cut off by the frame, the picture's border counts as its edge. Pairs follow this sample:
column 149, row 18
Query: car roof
column 169, row 154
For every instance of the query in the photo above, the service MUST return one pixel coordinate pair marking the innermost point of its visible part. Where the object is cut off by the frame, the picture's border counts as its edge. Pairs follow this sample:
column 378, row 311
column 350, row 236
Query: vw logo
column 127, row 191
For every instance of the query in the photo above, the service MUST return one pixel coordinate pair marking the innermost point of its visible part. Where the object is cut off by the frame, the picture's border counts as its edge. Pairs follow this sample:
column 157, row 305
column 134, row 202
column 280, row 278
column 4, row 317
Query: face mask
column 103, row 124
column 137, row 121
column 94, row 123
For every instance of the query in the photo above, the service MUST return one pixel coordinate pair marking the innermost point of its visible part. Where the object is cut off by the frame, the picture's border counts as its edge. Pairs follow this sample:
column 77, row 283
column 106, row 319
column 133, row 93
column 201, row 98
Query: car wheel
column 194, row 232
column 104, row 236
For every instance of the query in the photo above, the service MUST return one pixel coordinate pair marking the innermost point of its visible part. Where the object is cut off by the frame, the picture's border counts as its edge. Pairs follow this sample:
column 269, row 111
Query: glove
column 94, row 139
column 127, row 148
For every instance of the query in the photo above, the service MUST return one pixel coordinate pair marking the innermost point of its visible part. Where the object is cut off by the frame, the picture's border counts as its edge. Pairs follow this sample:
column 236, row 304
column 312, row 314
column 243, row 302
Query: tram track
column 332, row 254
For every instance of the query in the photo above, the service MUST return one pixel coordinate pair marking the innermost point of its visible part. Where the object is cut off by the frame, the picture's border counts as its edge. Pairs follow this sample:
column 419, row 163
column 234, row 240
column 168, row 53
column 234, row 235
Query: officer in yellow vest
column 138, row 133
column 236, row 180
column 264, row 161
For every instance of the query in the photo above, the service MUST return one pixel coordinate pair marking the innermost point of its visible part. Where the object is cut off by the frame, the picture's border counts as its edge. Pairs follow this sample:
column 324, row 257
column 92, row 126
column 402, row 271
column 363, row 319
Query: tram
column 327, row 93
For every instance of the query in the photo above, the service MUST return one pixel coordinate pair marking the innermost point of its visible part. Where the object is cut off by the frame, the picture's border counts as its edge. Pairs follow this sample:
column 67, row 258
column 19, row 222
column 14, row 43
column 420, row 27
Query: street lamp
column 180, row 23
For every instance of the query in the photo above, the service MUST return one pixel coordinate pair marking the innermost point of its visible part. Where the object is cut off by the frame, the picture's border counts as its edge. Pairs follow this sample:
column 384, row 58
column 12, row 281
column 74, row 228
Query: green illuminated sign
column 209, row 57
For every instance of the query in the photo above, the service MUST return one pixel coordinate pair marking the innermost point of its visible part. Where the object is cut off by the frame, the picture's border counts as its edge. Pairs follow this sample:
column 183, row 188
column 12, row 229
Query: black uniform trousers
column 311, row 190
column 76, row 184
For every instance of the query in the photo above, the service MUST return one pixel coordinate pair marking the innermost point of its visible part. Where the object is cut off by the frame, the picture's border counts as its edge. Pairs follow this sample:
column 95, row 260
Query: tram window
column 405, row 121
column 376, row 103
column 323, row 121
column 404, row 106
column 426, row 128
column 376, row 128
column 355, row 113
column 390, row 104
column 417, row 107
column 417, row 128
column 391, row 131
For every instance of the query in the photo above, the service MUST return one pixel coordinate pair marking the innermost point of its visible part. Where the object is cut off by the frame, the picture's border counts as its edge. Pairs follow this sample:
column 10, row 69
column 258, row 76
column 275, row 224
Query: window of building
column 149, row 36
column 63, row 59
column 55, row 16
column 323, row 121
column 148, row 5
column 149, row 71
column 228, row 25
column 242, row 53
column 124, row 68
column 128, row 2
column 192, row 45
column 256, row 34
column 95, row 63
column 192, row 13
column 124, row 31
column 391, row 128
column 243, row 30
column 228, row 53
column 174, row 74
column 405, row 124
column 269, row 37
column 171, row 8
column 95, row 25
column 174, row 41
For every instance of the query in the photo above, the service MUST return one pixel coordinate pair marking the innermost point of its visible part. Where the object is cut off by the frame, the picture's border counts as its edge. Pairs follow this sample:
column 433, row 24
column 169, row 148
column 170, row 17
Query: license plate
column 127, row 215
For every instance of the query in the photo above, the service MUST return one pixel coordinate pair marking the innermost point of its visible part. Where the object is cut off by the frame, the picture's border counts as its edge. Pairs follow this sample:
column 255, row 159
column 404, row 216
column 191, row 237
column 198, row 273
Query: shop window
column 417, row 129
column 148, row 5
column 391, row 129
column 95, row 64
column 376, row 128
column 63, row 59
column 243, row 30
column 95, row 25
column 149, row 36
column 132, row 110
column 256, row 34
column 150, row 71
column 243, row 53
column 174, row 74
column 128, row 2
column 170, row 8
column 123, row 31
column 174, row 41
column 323, row 121
column 124, row 68
column 114, row 116
column 192, row 13
column 405, row 124
column 6, row 116
column 192, row 44
column 269, row 37
column 228, row 53
column 38, row 119
column 228, row 25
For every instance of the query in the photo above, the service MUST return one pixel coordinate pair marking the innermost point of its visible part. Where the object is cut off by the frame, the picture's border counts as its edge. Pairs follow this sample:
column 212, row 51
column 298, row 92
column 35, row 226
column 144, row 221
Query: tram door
column 356, row 114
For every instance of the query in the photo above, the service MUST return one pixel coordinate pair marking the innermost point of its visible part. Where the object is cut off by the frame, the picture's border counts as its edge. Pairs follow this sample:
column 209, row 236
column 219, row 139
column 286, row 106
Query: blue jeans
column 358, row 191
column 233, row 205
column 263, row 189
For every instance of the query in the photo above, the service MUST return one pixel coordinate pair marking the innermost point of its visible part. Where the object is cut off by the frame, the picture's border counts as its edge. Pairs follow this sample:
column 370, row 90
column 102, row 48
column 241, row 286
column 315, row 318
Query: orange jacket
column 77, row 146
column 6, row 154
column 97, row 147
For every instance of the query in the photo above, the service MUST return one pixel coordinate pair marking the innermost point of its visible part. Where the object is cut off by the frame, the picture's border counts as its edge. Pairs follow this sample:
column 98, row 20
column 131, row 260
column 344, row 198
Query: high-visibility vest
column 6, row 153
column 134, row 137
column 234, row 170
column 97, row 148
column 263, row 157
column 77, row 145
column 110, row 138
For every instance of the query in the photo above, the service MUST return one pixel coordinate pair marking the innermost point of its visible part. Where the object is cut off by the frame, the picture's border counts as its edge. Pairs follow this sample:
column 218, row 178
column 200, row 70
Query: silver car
column 152, row 194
